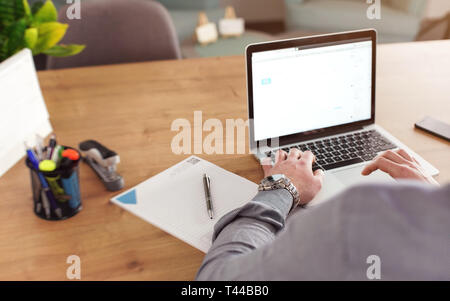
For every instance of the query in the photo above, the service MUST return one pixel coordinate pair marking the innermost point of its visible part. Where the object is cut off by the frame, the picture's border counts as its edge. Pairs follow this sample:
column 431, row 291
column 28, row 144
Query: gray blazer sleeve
column 243, row 230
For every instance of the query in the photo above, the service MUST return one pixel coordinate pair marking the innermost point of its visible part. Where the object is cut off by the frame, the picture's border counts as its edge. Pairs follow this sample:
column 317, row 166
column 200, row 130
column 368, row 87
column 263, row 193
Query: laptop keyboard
column 344, row 150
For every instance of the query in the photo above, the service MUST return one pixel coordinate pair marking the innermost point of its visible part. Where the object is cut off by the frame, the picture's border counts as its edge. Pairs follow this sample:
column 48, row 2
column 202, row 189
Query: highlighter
column 69, row 176
column 47, row 167
column 71, row 154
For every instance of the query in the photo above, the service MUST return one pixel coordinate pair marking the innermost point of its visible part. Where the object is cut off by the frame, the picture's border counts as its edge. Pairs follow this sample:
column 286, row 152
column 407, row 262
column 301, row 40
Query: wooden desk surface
column 130, row 109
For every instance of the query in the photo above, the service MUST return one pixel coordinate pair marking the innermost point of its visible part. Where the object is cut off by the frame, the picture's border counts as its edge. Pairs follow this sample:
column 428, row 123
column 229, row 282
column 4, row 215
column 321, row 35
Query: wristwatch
column 280, row 181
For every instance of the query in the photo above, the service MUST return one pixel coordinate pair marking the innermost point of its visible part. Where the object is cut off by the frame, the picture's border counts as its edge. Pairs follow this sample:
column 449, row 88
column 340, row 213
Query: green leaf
column 65, row 50
column 36, row 28
column 36, row 6
column 16, row 34
column 11, row 11
column 26, row 8
column 31, row 37
column 47, row 13
column 49, row 34
column 3, row 49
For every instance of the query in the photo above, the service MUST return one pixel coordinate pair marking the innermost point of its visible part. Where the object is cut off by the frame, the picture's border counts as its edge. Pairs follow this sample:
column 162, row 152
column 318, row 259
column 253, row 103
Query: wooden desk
column 130, row 109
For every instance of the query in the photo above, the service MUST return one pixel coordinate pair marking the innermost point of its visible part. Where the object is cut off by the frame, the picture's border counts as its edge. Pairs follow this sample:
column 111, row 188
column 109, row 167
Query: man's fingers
column 281, row 156
column 405, row 155
column 294, row 154
column 393, row 156
column 383, row 164
column 389, row 158
column 319, row 174
column 307, row 158
column 266, row 164
column 412, row 161
column 371, row 167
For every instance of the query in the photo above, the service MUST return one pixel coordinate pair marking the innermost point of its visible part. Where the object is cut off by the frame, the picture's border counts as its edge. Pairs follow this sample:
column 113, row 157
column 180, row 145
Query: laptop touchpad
column 352, row 176
column 336, row 182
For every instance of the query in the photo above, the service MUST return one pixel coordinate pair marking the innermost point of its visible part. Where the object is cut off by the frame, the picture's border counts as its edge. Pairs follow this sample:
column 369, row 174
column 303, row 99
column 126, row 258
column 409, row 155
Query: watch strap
column 283, row 183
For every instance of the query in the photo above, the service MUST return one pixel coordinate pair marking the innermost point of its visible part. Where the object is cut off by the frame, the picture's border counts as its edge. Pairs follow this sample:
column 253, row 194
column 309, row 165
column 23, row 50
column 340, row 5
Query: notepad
column 23, row 113
column 174, row 200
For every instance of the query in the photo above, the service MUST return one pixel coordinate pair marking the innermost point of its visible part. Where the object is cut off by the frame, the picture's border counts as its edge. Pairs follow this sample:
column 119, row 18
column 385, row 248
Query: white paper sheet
column 174, row 200
column 23, row 113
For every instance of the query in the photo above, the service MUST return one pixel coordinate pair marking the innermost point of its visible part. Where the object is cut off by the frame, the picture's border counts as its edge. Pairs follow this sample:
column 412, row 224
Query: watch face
column 277, row 177
column 273, row 179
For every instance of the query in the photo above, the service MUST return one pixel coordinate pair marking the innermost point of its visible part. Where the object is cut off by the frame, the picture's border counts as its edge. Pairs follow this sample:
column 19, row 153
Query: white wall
column 259, row 10
column 437, row 8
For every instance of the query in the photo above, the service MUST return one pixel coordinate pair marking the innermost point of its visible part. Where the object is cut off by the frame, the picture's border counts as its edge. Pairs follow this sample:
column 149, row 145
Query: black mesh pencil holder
column 56, row 193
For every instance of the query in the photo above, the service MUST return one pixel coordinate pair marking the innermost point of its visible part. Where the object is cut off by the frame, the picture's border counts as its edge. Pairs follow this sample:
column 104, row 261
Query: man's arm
column 242, row 231
column 242, row 243
column 246, row 229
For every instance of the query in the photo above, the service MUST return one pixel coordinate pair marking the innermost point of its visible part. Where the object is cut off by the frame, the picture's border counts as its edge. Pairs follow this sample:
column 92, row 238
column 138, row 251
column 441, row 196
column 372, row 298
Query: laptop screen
column 301, row 89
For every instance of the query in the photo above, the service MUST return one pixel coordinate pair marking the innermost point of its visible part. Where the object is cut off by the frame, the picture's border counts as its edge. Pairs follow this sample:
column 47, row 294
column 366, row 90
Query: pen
column 45, row 203
column 207, row 187
column 56, row 156
column 44, row 183
column 51, row 147
column 39, row 147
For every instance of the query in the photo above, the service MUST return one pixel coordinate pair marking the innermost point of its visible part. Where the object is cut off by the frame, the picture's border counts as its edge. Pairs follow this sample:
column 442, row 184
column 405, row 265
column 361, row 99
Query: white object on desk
column 206, row 33
column 174, row 200
column 231, row 27
column 23, row 113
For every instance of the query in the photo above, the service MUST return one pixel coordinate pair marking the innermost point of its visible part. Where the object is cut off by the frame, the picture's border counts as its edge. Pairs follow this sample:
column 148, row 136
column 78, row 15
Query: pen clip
column 207, row 186
column 208, row 181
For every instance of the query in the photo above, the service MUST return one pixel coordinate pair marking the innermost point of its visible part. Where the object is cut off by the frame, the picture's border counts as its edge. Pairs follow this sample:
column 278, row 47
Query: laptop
column 318, row 93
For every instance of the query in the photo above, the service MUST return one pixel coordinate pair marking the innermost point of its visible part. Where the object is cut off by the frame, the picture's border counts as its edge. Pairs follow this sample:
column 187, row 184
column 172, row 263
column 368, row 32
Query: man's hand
column 399, row 165
column 297, row 166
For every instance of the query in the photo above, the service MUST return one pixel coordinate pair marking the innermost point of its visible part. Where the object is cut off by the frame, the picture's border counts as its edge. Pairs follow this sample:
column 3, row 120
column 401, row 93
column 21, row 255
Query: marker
column 69, row 178
column 66, row 165
column 48, row 166
column 71, row 154
column 56, row 156
column 44, row 183
column 51, row 147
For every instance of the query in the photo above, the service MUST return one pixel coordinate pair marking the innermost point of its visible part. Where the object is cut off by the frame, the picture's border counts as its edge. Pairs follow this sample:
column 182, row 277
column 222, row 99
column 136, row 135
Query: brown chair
column 118, row 31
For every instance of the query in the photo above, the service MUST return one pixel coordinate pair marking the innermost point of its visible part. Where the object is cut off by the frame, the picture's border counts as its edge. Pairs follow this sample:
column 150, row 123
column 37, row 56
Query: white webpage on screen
column 297, row 90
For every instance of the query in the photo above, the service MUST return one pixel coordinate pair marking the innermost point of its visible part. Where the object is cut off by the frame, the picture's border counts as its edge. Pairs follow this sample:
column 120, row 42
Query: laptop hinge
column 298, row 138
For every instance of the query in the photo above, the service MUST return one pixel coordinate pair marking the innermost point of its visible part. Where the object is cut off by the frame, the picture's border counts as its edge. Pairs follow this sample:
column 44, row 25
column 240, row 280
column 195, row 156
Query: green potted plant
column 34, row 27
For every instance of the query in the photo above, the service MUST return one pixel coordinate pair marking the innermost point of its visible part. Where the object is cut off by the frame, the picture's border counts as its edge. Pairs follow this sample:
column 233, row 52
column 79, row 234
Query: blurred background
column 401, row 21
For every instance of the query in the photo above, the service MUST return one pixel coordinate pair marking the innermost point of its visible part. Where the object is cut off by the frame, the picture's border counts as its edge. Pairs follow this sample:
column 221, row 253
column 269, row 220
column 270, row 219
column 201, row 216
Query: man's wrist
column 281, row 181
column 278, row 199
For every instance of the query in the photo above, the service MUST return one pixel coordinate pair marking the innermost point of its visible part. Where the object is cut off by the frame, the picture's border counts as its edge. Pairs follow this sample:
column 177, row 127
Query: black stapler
column 104, row 162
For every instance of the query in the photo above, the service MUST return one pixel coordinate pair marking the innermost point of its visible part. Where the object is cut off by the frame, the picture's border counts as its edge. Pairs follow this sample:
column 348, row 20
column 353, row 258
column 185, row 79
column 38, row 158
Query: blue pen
column 44, row 183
